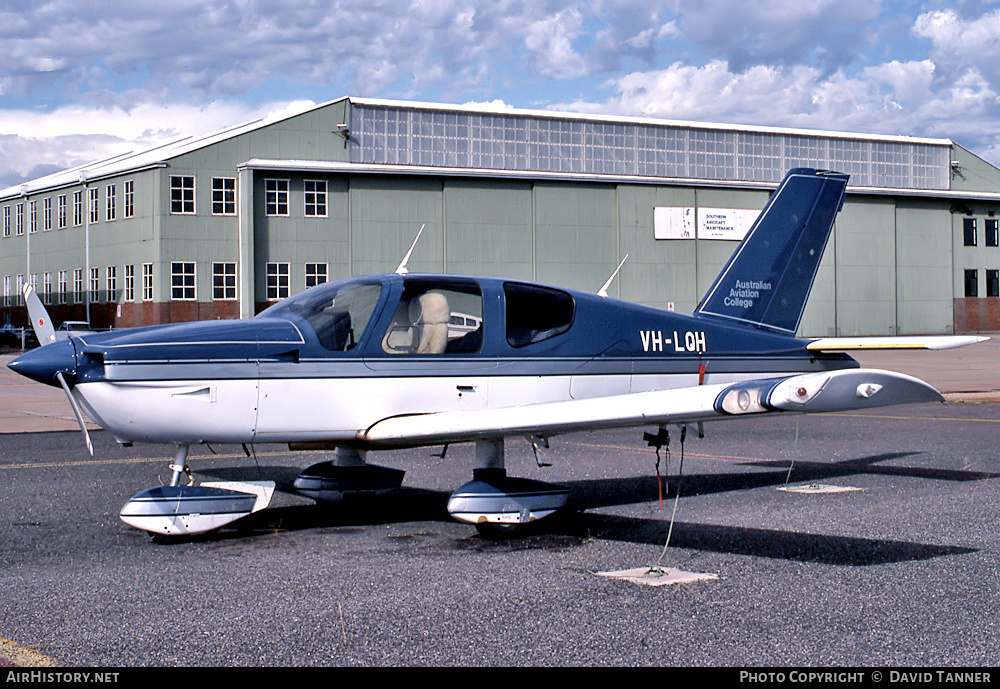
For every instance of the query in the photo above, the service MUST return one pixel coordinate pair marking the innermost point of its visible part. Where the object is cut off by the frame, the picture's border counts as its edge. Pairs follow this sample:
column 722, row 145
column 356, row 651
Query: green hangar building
column 222, row 225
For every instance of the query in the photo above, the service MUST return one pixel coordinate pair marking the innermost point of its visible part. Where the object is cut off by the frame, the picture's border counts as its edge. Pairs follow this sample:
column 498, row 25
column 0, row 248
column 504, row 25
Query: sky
column 81, row 81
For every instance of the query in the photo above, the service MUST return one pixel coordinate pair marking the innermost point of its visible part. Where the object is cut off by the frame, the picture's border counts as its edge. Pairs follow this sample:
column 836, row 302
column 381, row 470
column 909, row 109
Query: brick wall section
column 977, row 315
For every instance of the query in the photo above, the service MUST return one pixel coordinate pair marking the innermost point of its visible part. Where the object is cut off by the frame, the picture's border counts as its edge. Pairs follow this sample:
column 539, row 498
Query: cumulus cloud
column 150, row 71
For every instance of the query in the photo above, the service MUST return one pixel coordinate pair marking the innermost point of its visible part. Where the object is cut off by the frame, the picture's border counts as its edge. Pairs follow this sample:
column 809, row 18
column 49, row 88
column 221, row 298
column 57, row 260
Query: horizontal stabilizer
column 845, row 344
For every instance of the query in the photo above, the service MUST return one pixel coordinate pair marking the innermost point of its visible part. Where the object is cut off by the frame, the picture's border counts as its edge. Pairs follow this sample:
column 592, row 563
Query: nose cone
column 42, row 364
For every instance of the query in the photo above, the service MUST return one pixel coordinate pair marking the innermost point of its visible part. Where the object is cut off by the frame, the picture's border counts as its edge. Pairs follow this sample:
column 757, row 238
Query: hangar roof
column 488, row 140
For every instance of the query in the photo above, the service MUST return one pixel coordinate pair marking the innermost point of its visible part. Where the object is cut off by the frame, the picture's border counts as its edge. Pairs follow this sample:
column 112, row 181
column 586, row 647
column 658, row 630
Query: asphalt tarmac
column 898, row 568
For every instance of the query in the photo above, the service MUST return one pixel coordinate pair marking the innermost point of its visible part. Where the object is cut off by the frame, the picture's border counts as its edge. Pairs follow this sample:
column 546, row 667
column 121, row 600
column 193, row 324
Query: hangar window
column 112, row 283
column 147, row 282
column 223, row 196
column 47, row 214
column 277, row 281
column 19, row 219
column 6, row 221
column 182, row 281
column 316, row 274
column 972, row 283
column 535, row 313
column 993, row 283
column 112, row 202
column 129, row 294
column 223, row 281
column 182, row 194
column 436, row 317
column 969, row 231
column 129, row 199
column 77, row 208
column 315, row 198
column 992, row 232
column 61, row 212
column 276, row 196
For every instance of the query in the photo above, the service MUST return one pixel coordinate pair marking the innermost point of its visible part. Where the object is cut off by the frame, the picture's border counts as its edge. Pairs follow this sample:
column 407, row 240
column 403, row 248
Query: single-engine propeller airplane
column 405, row 360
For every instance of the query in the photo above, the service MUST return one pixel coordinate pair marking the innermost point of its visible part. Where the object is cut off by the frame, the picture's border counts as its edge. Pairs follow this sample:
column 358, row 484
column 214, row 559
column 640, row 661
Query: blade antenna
column 603, row 292
column 76, row 412
column 401, row 270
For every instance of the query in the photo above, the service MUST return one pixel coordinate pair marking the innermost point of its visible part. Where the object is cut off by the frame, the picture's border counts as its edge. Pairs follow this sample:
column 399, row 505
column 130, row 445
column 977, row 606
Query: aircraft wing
column 830, row 391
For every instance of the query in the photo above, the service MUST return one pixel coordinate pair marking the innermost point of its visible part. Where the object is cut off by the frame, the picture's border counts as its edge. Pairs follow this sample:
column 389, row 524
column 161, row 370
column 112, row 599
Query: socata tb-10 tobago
column 401, row 360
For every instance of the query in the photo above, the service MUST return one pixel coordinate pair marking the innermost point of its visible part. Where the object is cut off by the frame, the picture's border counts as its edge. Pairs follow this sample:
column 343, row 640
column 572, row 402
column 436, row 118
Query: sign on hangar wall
column 708, row 223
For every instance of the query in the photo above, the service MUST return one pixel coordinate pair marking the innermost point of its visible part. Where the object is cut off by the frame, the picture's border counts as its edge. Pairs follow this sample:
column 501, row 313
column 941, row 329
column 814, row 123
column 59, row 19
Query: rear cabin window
column 436, row 317
column 535, row 313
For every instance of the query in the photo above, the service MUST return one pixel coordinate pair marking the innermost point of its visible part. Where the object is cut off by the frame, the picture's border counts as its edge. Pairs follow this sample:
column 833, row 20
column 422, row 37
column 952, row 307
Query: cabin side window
column 436, row 317
column 536, row 313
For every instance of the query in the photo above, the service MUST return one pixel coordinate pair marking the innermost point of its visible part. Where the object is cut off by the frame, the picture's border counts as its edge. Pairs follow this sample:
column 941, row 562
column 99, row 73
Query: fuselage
column 329, row 362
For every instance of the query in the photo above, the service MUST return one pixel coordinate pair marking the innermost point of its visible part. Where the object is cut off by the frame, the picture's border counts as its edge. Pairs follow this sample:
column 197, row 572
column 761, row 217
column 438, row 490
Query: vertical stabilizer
column 768, row 278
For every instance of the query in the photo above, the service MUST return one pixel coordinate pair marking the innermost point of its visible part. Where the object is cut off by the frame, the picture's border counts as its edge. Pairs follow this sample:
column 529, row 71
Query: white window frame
column 6, row 221
column 224, row 281
column 77, row 208
column 182, row 194
column 183, row 281
column 112, row 282
column 95, row 285
column 129, row 294
column 223, row 196
column 32, row 216
column 276, row 197
column 78, row 285
column 19, row 220
column 317, row 274
column 94, row 205
column 278, row 281
column 110, row 205
column 315, row 198
column 46, row 214
column 129, row 199
column 62, row 286
column 147, row 282
column 61, row 212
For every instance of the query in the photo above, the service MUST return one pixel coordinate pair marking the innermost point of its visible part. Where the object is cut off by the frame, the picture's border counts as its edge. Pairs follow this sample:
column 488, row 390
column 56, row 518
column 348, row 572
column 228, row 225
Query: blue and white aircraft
column 405, row 360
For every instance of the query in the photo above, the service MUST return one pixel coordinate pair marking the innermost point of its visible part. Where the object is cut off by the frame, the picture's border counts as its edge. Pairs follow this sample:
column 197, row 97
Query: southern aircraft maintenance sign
column 711, row 223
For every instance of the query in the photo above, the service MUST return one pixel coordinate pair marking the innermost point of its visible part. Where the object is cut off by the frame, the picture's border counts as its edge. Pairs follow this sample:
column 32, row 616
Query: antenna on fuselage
column 401, row 270
column 603, row 292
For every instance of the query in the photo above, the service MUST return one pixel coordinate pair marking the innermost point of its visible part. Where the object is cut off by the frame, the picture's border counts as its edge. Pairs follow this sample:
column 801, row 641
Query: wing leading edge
column 830, row 391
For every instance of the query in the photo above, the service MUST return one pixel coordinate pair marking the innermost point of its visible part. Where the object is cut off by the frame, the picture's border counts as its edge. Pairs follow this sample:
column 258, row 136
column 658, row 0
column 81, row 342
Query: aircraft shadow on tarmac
column 414, row 504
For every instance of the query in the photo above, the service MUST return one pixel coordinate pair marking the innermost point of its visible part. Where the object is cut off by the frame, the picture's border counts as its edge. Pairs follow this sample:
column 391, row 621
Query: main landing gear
column 177, row 510
column 499, row 505
column 496, row 504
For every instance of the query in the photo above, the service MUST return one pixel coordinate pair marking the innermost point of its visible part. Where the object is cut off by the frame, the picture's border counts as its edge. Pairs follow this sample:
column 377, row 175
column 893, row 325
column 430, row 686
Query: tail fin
column 768, row 278
column 40, row 320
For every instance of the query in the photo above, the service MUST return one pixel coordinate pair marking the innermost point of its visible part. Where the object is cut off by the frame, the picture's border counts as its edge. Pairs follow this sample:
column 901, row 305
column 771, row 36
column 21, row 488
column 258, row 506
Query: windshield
column 338, row 312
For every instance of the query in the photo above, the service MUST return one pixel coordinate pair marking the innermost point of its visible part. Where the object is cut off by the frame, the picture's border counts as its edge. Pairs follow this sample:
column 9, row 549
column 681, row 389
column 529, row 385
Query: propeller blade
column 76, row 412
column 40, row 320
